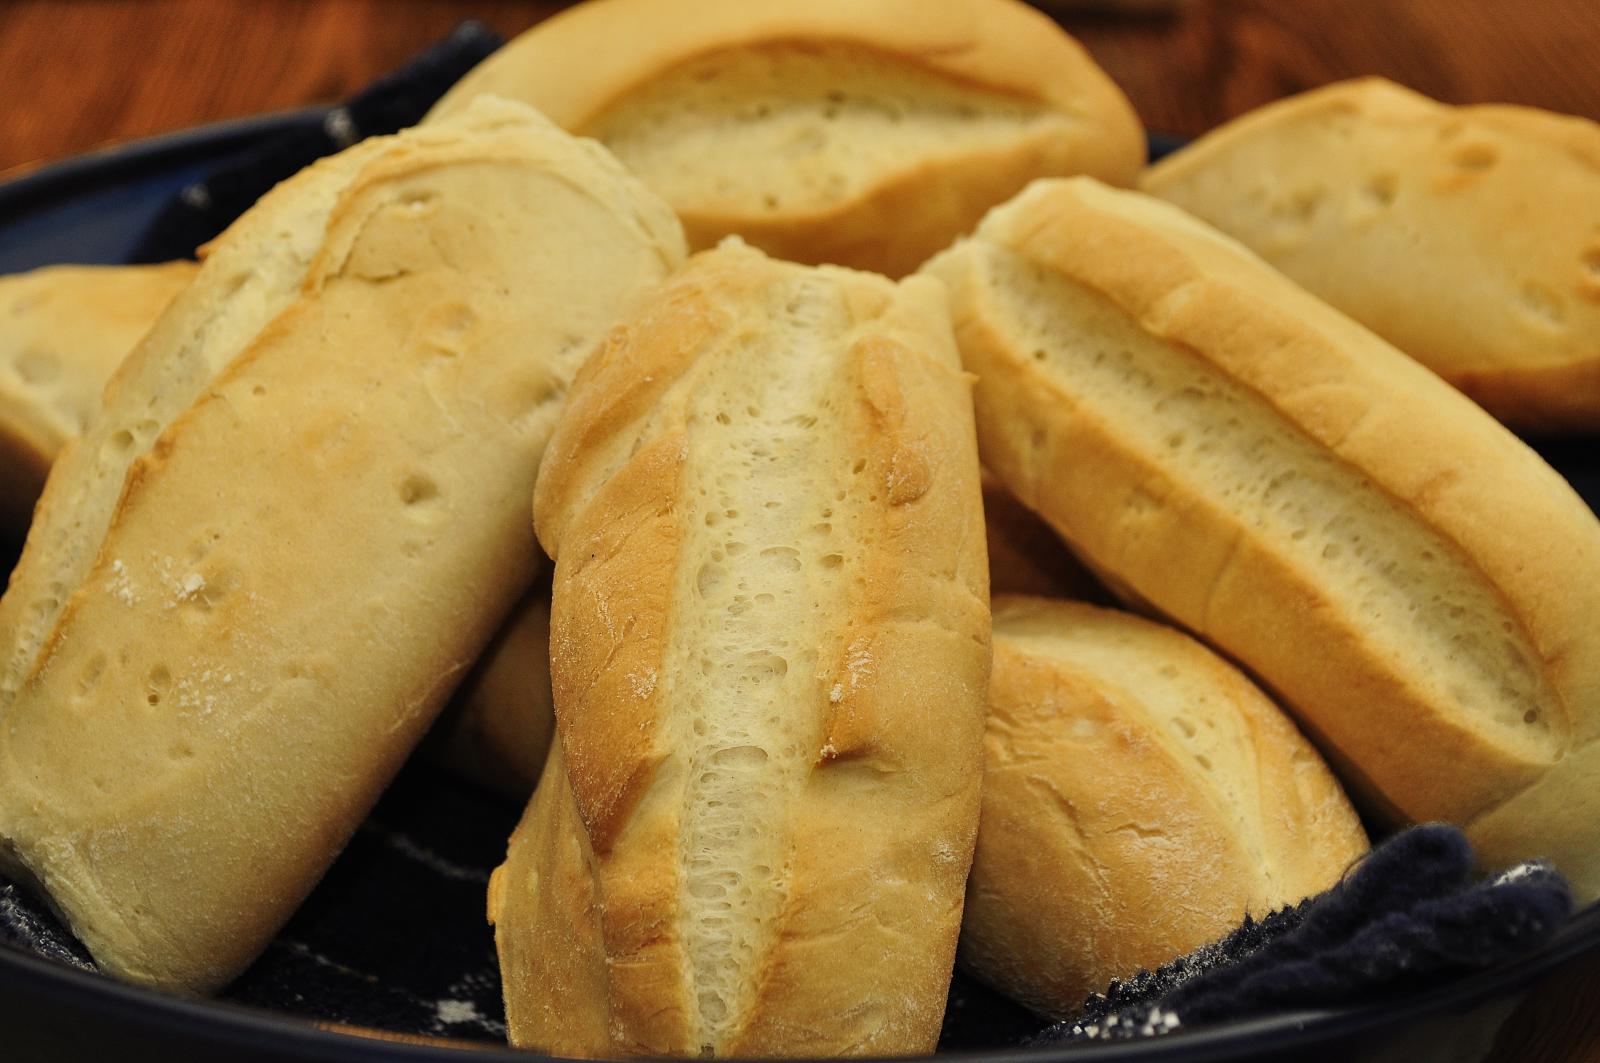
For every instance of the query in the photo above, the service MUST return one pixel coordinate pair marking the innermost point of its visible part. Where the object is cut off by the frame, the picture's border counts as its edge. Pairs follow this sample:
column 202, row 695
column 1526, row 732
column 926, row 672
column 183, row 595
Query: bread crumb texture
column 1408, row 584
column 778, row 523
column 833, row 131
column 1226, row 449
column 802, row 127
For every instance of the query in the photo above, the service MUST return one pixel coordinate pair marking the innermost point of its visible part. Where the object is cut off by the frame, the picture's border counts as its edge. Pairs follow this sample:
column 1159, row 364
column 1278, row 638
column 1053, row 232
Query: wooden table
column 74, row 75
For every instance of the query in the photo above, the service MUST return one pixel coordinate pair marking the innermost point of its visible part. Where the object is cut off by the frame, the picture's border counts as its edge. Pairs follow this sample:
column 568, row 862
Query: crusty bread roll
column 1410, row 579
column 769, row 648
column 63, row 329
column 252, row 273
column 498, row 727
column 1140, row 795
column 1469, row 237
column 310, row 555
column 867, row 133
column 496, row 731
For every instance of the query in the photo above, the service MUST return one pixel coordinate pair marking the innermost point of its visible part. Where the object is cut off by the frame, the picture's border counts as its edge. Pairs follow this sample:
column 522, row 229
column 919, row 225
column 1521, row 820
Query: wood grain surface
column 75, row 74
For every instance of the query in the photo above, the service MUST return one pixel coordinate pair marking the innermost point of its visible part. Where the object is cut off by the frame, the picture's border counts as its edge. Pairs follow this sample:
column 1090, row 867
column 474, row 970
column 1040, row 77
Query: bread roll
column 867, row 133
column 1410, row 579
column 63, row 329
column 312, row 552
column 498, row 727
column 253, row 271
column 1469, row 237
column 769, row 648
column 1140, row 795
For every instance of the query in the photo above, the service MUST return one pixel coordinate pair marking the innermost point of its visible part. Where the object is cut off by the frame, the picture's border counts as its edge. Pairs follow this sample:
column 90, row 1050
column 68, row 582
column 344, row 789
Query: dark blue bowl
column 94, row 209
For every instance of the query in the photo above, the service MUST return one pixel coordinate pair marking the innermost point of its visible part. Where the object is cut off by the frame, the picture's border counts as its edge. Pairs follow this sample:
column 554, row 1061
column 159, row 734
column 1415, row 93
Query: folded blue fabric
column 1407, row 916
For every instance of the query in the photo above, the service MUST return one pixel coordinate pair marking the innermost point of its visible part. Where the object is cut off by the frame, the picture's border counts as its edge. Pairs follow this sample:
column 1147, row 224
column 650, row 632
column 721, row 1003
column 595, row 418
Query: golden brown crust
column 63, row 329
column 1470, row 497
column 1140, row 796
column 874, row 805
column 177, row 797
column 995, row 43
column 620, row 554
column 250, row 275
column 1466, row 236
column 895, row 790
column 581, row 64
column 547, row 920
column 915, row 212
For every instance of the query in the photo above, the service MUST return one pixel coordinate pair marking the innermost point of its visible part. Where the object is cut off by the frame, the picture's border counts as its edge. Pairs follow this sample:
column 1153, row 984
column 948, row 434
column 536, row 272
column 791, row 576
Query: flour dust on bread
column 63, row 329
column 867, row 133
column 251, row 273
column 1140, row 796
column 769, row 647
column 1412, row 581
column 1469, row 237
column 315, row 549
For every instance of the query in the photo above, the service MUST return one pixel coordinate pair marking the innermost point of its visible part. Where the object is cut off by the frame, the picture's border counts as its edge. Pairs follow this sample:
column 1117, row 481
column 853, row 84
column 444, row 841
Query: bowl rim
column 223, row 1022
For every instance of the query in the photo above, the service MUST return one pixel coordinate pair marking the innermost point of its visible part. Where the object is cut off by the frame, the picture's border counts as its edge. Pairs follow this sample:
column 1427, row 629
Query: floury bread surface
column 313, row 551
column 769, row 648
column 1469, row 237
column 252, row 273
column 1140, row 795
column 498, row 728
column 63, row 329
column 1415, row 584
column 867, row 133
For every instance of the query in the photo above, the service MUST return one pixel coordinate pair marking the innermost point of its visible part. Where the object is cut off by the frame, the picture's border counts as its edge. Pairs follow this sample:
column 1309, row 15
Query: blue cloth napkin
column 1408, row 916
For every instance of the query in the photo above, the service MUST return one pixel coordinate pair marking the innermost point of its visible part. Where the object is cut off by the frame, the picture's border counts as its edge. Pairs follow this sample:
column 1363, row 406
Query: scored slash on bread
column 64, row 330
column 1372, row 545
column 268, row 613
column 498, row 728
column 251, row 275
column 863, row 134
column 769, row 647
column 1469, row 237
